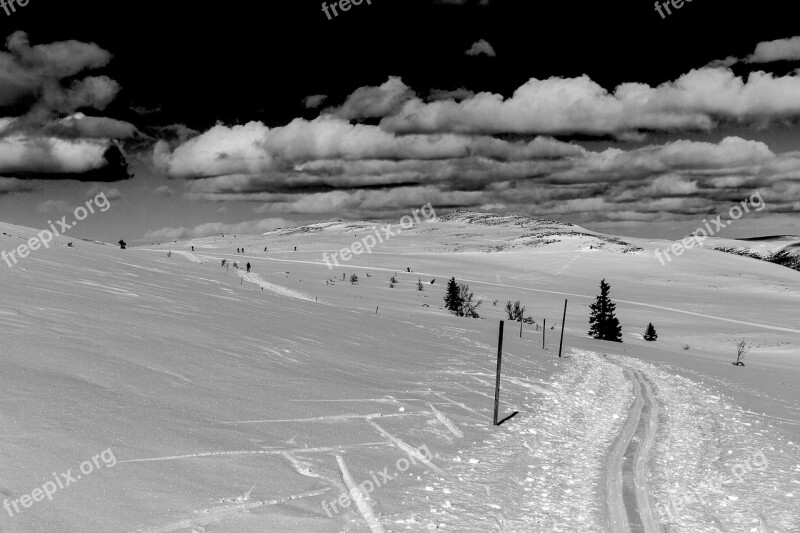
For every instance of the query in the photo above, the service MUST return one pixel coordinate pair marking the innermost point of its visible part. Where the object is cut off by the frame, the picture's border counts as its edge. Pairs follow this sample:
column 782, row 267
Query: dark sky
column 202, row 62
column 182, row 67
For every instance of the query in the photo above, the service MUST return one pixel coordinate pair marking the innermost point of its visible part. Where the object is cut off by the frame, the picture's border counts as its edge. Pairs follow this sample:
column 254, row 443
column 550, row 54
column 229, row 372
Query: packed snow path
column 629, row 502
column 617, row 445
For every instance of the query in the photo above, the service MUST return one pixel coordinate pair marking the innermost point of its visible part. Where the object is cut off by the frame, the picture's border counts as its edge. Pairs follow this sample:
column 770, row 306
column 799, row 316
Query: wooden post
column 497, row 383
column 520, row 326
column 560, row 344
column 544, row 331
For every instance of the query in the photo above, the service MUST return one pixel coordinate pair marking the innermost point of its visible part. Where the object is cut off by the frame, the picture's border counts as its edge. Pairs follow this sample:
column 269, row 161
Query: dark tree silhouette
column 452, row 297
column 603, row 324
column 650, row 333
column 741, row 349
column 515, row 311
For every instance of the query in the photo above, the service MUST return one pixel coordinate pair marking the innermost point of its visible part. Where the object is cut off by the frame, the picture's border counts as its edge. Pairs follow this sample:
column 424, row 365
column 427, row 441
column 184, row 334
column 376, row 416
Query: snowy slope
column 236, row 402
column 782, row 250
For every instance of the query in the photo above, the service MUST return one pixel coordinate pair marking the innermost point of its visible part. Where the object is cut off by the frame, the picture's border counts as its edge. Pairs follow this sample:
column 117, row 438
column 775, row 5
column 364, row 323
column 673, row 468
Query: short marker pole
column 497, row 383
column 561, row 344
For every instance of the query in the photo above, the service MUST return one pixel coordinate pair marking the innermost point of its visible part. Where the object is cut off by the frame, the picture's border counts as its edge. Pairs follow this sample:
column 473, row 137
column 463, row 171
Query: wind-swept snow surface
column 236, row 402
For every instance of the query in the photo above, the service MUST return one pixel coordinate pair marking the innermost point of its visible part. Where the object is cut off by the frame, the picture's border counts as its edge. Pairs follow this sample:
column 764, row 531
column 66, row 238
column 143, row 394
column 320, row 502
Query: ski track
column 359, row 498
column 410, row 450
column 446, row 421
column 215, row 515
column 627, row 493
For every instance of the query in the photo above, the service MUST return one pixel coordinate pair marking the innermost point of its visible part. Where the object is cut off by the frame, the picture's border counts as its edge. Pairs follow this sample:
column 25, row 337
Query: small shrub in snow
column 741, row 349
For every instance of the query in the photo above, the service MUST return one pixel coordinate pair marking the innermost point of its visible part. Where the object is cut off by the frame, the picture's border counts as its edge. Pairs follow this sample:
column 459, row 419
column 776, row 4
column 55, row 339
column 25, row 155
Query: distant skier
column 265, row 248
column 295, row 248
column 237, row 250
column 193, row 248
column 242, row 250
column 248, row 267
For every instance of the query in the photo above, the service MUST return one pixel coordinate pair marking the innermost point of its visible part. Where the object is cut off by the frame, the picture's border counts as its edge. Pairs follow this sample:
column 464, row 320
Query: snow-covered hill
column 237, row 402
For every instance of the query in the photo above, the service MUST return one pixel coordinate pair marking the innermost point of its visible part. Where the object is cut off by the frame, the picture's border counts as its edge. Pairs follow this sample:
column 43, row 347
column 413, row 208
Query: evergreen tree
column 452, row 298
column 419, row 285
column 603, row 324
column 650, row 333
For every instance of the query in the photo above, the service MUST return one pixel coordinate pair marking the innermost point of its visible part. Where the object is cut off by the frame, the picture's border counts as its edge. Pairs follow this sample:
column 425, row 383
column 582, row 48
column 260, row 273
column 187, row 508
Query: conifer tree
column 603, row 324
column 650, row 333
column 452, row 297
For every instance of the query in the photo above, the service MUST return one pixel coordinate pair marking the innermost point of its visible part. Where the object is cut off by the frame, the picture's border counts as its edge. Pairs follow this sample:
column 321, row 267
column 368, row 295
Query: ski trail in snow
column 359, row 498
column 277, row 289
column 410, row 450
column 215, row 515
column 195, row 258
column 627, row 490
column 446, row 421
column 325, row 449
column 331, row 418
column 461, row 405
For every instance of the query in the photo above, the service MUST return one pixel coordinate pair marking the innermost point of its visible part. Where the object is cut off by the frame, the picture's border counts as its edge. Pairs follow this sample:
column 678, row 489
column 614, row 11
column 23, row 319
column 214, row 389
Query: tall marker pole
column 544, row 332
column 560, row 344
column 497, row 383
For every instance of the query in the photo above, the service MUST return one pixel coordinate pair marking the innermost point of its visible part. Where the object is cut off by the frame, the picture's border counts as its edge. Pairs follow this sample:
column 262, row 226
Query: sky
column 199, row 118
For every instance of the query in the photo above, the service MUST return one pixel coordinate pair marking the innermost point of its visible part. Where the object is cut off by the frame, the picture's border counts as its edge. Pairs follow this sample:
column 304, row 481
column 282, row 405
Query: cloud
column 163, row 191
column 254, row 148
column 46, row 138
column 330, row 167
column 778, row 50
column 43, row 75
column 481, row 47
column 374, row 102
column 457, row 94
column 50, row 206
column 111, row 193
column 80, row 126
column 35, row 157
column 560, row 106
column 13, row 185
column 216, row 228
column 314, row 101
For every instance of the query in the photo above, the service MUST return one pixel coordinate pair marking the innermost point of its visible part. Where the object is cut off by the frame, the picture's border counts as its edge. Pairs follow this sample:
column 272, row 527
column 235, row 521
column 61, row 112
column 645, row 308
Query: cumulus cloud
column 314, row 101
column 24, row 156
column 374, row 102
column 42, row 87
column 330, row 167
column 481, row 47
column 777, row 50
column 79, row 125
column 254, row 148
column 559, row 106
column 44, row 75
